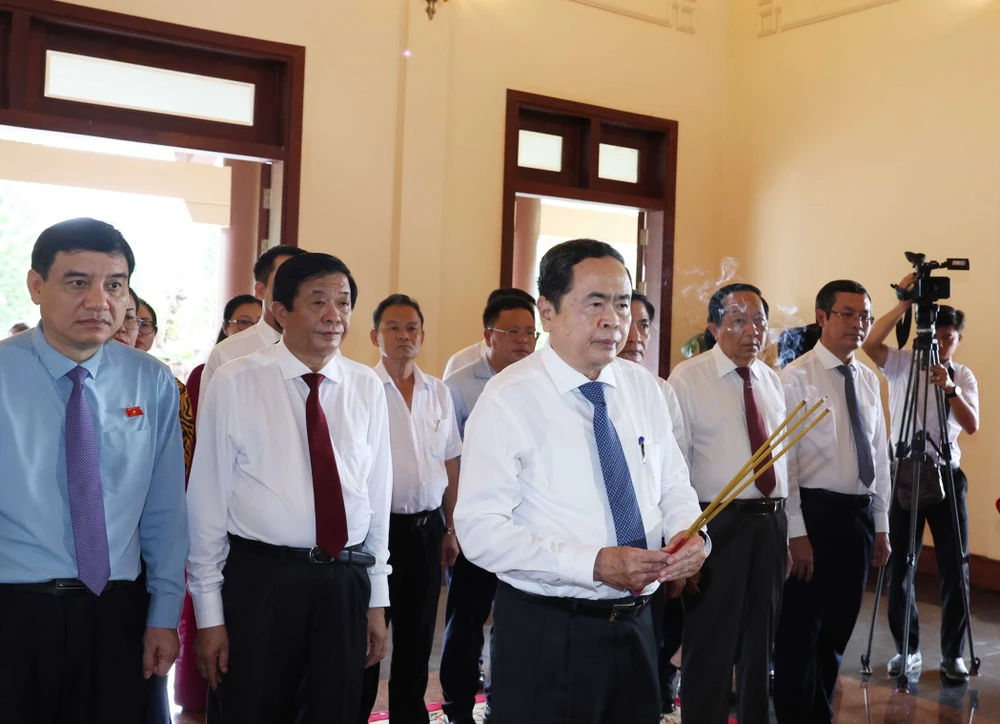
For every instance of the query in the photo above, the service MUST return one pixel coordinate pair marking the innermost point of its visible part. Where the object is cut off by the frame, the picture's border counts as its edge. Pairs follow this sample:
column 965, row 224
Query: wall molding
column 771, row 15
column 679, row 15
column 983, row 572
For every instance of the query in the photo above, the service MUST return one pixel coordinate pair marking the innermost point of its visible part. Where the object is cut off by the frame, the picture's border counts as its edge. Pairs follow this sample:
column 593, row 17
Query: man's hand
column 377, row 635
column 941, row 378
column 881, row 551
column 687, row 561
column 629, row 569
column 801, row 551
column 160, row 648
column 450, row 549
column 906, row 284
column 211, row 646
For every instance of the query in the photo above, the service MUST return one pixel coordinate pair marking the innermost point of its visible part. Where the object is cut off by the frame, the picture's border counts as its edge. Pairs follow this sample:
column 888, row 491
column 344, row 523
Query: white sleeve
column 488, row 492
column 681, row 419
column 883, row 477
column 209, row 490
column 380, row 500
column 791, row 383
column 678, row 500
column 211, row 365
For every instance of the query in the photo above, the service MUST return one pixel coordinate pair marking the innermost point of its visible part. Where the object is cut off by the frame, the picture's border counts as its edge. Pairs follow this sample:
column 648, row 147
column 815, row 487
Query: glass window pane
column 539, row 150
column 618, row 163
column 138, row 87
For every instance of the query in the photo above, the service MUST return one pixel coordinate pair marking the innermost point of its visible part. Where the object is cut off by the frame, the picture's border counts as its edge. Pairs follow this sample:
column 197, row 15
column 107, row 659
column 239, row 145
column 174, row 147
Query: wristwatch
column 955, row 392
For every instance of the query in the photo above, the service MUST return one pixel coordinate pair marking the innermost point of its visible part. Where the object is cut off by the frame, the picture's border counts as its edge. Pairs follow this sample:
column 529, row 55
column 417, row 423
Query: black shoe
column 459, row 719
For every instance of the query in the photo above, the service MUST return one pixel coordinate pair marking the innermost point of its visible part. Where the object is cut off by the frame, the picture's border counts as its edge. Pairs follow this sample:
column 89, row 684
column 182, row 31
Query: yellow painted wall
column 853, row 139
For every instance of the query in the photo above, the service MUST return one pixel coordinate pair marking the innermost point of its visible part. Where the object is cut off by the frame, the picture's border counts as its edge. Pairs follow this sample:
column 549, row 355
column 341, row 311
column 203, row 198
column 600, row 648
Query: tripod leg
column 963, row 568
column 866, row 658
column 902, row 684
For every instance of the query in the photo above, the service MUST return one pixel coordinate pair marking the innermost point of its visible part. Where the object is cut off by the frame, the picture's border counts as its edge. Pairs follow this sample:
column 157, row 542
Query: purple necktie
column 86, row 494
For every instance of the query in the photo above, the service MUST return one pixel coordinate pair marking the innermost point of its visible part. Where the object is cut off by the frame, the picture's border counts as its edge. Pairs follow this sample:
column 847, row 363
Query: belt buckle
column 422, row 520
column 318, row 555
column 619, row 609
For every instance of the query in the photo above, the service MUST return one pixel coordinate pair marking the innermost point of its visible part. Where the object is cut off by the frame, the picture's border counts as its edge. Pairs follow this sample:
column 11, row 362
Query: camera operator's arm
column 875, row 346
column 964, row 406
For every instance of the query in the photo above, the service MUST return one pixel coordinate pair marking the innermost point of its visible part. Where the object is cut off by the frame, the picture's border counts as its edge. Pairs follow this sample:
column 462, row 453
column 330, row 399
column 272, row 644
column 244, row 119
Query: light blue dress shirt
column 142, row 468
column 466, row 385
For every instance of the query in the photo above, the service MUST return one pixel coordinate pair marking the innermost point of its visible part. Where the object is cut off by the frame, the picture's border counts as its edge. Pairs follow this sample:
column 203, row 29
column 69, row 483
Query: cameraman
column 962, row 395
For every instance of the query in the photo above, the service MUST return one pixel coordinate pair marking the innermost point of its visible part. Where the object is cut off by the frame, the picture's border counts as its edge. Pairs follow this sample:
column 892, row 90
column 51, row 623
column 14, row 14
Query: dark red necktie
column 758, row 434
column 331, row 518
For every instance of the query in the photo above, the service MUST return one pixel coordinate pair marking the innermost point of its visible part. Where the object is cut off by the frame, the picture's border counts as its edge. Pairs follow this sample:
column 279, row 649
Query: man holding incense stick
column 730, row 402
column 838, row 507
column 570, row 477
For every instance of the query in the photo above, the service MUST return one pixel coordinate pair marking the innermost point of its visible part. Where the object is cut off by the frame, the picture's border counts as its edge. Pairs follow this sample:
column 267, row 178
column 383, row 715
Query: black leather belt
column 620, row 609
column 754, row 506
column 415, row 520
column 843, row 500
column 349, row 556
column 61, row 587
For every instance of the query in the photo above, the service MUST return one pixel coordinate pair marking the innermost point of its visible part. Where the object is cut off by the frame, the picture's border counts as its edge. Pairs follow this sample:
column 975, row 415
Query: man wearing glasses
column 838, row 506
column 509, row 332
column 962, row 394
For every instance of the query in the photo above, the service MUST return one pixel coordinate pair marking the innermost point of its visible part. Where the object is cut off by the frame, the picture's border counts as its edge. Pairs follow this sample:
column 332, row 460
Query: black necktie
column 866, row 468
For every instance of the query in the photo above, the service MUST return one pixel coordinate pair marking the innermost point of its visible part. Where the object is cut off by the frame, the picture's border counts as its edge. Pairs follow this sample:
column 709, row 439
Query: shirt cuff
column 380, row 590
column 797, row 526
column 576, row 564
column 164, row 611
column 208, row 611
column 881, row 522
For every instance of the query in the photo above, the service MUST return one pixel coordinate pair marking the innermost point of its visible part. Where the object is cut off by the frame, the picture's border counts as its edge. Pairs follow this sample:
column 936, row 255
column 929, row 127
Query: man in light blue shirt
column 93, row 526
column 509, row 331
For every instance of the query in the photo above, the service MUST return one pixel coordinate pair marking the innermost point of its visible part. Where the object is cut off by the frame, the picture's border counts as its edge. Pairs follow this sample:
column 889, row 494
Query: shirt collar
column 419, row 378
column 724, row 365
column 566, row 378
column 56, row 363
column 482, row 369
column 292, row 367
column 267, row 333
column 829, row 360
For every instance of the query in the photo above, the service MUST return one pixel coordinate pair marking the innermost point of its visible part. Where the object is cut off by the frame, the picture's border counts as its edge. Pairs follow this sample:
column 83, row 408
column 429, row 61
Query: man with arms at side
column 263, row 334
column 289, row 494
column 509, row 332
column 93, row 484
column 838, row 507
column 471, row 354
column 425, row 449
column 570, row 480
column 962, row 396
column 730, row 402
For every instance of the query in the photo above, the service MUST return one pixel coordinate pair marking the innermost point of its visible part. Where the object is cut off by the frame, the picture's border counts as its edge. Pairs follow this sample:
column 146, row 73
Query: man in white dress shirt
column 730, row 402
column 266, row 332
column 472, row 354
column 289, row 494
column 838, row 507
column 570, row 480
column 962, row 395
column 425, row 449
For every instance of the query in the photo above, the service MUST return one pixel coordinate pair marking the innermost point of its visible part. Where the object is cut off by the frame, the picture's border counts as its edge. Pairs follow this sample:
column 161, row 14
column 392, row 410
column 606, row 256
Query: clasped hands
column 632, row 569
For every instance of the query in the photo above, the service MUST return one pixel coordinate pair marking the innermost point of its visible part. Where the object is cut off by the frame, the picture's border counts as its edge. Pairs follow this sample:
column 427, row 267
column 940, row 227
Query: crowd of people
column 555, row 487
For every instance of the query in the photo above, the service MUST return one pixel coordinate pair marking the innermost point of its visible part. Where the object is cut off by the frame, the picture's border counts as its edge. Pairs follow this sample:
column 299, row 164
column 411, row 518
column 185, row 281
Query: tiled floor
column 932, row 699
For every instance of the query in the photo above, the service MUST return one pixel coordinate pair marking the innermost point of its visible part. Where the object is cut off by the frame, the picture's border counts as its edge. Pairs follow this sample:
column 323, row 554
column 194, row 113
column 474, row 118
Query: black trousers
column 732, row 621
column 946, row 545
column 668, row 629
column 414, row 590
column 297, row 641
column 470, row 599
column 74, row 658
column 558, row 667
column 818, row 617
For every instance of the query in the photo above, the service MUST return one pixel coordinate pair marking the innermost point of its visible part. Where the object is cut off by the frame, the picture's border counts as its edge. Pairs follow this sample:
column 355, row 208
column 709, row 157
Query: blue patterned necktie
column 866, row 466
column 86, row 494
column 629, row 529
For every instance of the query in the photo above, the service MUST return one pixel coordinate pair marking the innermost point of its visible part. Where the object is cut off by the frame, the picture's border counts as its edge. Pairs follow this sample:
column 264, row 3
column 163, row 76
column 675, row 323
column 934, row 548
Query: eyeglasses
column 242, row 323
column 864, row 319
column 146, row 327
column 131, row 323
column 515, row 334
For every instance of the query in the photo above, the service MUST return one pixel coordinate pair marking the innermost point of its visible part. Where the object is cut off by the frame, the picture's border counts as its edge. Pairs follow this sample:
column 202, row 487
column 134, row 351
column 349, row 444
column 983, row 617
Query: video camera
column 928, row 289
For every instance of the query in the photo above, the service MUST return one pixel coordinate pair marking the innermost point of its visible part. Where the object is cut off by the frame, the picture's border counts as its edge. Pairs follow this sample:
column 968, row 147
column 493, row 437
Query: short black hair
column 140, row 302
column 827, row 296
column 230, row 309
column 74, row 235
column 509, row 292
column 395, row 300
column 555, row 274
column 264, row 266
column 498, row 306
column 305, row 267
column 950, row 317
column 650, row 309
column 715, row 303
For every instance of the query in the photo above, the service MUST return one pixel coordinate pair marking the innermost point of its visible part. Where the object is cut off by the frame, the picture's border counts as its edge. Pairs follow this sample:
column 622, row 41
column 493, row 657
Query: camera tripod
column 913, row 446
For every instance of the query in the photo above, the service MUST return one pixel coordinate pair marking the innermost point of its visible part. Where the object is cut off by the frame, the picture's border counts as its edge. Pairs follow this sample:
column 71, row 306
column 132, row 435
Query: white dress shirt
column 465, row 357
column 826, row 458
column 532, row 502
column 712, row 430
column 252, row 475
column 423, row 436
column 897, row 372
column 241, row 344
column 673, row 404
